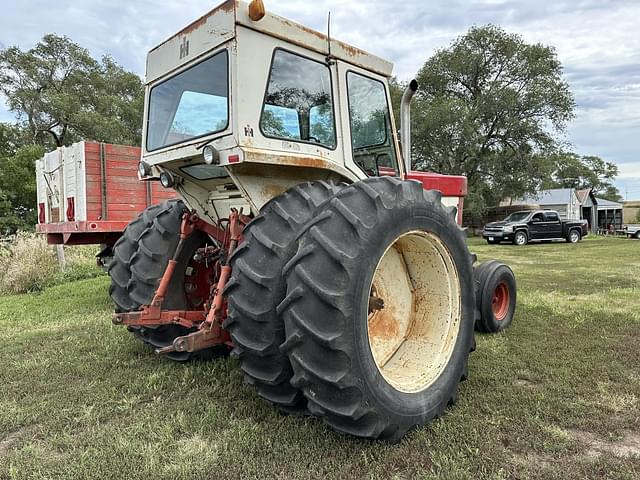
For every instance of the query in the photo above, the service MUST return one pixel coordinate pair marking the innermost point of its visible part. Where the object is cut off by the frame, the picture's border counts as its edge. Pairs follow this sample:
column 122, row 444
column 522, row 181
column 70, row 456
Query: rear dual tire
column 335, row 351
column 257, row 286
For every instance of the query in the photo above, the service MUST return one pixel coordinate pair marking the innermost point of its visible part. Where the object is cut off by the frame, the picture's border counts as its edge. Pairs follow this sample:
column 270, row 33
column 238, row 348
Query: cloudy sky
column 598, row 42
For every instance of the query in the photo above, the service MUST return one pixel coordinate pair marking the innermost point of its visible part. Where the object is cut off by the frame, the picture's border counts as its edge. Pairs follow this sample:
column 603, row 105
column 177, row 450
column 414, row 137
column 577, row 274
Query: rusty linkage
column 209, row 319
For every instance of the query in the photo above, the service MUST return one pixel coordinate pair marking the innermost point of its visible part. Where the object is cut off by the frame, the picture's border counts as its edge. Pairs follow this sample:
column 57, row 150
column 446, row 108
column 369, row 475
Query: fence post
column 60, row 254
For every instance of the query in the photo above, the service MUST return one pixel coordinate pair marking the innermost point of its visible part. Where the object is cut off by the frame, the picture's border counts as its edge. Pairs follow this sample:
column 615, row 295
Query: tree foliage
column 586, row 171
column 17, row 180
column 60, row 94
column 491, row 107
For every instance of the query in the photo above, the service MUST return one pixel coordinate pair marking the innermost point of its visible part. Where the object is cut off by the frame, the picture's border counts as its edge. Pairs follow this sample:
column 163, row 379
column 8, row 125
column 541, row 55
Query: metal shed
column 609, row 213
column 589, row 207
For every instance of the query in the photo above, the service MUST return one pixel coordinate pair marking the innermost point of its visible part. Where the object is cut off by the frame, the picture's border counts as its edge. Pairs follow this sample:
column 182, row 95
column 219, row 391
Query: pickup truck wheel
column 495, row 287
column 520, row 238
column 573, row 236
column 379, row 310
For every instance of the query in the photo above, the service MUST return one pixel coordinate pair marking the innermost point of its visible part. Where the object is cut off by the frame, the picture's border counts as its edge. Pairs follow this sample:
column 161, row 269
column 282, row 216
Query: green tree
column 586, row 171
column 491, row 107
column 17, row 180
column 60, row 94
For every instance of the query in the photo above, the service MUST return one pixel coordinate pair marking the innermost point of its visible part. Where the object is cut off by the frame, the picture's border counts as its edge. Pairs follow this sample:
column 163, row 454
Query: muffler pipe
column 405, row 123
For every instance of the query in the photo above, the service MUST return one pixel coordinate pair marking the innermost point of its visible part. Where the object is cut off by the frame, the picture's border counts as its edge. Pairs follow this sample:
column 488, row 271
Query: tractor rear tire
column 140, row 258
column 495, row 286
column 257, row 286
column 383, row 260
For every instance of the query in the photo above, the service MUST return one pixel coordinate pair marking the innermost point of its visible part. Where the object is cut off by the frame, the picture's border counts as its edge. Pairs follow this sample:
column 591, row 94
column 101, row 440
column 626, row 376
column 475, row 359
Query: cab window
column 191, row 104
column 537, row 218
column 551, row 217
column 371, row 135
column 298, row 104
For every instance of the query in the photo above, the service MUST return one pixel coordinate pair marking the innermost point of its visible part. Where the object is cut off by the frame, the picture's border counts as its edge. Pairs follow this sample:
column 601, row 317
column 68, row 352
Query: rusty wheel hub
column 414, row 311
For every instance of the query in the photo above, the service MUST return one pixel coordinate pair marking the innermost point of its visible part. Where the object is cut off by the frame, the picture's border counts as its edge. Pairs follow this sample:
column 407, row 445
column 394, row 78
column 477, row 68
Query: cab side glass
column 371, row 136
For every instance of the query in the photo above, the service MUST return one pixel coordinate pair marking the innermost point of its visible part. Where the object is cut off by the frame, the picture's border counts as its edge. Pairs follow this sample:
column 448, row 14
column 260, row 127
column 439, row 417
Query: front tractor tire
column 140, row 258
column 257, row 286
column 379, row 312
column 495, row 286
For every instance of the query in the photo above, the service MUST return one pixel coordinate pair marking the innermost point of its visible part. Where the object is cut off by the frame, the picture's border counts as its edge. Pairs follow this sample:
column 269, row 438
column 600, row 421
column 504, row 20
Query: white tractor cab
column 340, row 280
column 271, row 103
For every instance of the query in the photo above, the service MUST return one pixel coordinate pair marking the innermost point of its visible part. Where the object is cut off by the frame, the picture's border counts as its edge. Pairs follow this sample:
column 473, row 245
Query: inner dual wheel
column 375, row 317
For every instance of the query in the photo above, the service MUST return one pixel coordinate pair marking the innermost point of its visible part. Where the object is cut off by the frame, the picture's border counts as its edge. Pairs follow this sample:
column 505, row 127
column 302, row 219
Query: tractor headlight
column 144, row 170
column 166, row 180
column 210, row 155
column 507, row 229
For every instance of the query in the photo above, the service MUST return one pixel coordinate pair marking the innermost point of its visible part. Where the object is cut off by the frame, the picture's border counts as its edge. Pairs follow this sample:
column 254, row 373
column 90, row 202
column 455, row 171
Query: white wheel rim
column 574, row 237
column 413, row 336
column 520, row 239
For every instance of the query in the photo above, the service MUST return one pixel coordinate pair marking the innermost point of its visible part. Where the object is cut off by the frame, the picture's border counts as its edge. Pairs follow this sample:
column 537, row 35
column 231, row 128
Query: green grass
column 556, row 396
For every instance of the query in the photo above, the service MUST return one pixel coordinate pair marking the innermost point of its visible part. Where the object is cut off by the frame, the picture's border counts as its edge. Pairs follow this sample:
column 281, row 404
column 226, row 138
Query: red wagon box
column 89, row 192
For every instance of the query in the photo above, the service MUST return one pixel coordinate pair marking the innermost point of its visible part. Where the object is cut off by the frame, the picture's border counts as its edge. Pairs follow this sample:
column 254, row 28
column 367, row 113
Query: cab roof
column 226, row 22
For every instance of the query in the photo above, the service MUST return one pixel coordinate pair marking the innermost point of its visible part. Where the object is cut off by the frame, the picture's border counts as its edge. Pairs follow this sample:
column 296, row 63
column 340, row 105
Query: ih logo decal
column 184, row 48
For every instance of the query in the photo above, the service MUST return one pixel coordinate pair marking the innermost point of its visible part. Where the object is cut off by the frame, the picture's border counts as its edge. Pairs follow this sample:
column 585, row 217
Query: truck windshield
column 191, row 104
column 517, row 216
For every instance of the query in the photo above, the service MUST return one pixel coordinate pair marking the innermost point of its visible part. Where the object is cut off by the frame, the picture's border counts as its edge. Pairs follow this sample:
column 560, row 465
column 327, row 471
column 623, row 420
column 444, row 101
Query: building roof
column 583, row 194
column 607, row 204
column 554, row 196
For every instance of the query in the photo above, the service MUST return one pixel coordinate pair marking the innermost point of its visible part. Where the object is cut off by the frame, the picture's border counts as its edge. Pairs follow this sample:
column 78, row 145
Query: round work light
column 166, row 180
column 144, row 170
column 210, row 155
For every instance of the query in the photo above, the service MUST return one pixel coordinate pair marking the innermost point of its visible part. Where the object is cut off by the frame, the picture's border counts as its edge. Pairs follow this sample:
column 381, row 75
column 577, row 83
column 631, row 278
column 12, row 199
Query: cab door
column 370, row 142
column 553, row 225
column 537, row 226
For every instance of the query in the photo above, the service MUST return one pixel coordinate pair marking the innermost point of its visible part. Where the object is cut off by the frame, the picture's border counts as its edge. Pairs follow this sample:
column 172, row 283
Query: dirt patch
column 533, row 460
column 526, row 380
column 523, row 382
column 627, row 446
column 10, row 440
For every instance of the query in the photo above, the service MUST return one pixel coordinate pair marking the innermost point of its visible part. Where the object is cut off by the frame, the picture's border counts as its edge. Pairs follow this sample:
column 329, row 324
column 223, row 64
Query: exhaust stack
column 405, row 123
